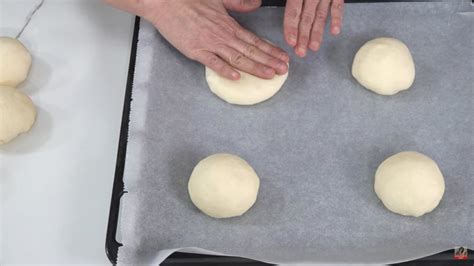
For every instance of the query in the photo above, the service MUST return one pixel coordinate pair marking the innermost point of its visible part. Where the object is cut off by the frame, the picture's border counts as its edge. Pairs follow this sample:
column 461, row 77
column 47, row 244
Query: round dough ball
column 223, row 185
column 409, row 183
column 384, row 66
column 247, row 90
column 15, row 62
column 17, row 113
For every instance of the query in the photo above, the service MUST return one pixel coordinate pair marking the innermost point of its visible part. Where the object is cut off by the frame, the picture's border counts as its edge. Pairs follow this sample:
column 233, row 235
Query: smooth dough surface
column 384, row 66
column 17, row 113
column 409, row 183
column 15, row 62
column 247, row 90
column 223, row 185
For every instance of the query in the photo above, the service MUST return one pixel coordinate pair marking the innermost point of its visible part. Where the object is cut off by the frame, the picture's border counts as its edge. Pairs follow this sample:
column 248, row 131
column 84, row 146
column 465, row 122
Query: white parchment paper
column 315, row 145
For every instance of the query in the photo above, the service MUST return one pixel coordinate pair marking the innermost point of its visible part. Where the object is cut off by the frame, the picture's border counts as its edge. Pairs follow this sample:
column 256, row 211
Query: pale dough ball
column 409, row 183
column 223, row 185
column 17, row 113
column 384, row 66
column 247, row 90
column 15, row 62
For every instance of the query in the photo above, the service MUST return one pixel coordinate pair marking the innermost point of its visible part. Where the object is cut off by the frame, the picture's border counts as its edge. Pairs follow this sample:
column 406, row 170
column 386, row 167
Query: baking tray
column 112, row 245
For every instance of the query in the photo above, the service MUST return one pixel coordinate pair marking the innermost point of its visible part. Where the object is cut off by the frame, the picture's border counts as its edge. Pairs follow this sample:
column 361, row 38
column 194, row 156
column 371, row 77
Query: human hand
column 203, row 31
column 304, row 22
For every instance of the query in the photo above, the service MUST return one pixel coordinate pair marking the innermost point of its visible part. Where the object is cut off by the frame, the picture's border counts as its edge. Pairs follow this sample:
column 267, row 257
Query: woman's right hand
column 203, row 31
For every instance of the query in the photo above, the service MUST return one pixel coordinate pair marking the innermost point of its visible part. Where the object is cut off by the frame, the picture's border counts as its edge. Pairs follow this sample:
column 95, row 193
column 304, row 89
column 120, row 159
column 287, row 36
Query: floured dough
column 15, row 62
column 223, row 185
column 247, row 90
column 409, row 183
column 384, row 66
column 17, row 113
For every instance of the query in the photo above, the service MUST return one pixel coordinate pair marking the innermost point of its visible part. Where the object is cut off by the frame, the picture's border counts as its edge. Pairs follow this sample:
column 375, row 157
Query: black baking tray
column 112, row 245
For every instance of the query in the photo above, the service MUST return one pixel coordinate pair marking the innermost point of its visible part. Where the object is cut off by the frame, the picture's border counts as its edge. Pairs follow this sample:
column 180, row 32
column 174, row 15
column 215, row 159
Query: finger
column 218, row 65
column 242, row 5
column 318, row 25
column 254, row 53
column 241, row 62
column 306, row 22
column 337, row 9
column 292, row 20
column 261, row 44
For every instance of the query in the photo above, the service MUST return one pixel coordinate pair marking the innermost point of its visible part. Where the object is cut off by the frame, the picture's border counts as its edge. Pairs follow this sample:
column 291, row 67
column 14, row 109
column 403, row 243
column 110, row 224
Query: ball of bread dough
column 15, row 62
column 247, row 90
column 17, row 113
column 409, row 183
column 384, row 66
column 223, row 185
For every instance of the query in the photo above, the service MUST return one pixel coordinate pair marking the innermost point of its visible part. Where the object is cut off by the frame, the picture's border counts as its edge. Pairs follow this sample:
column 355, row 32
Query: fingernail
column 292, row 40
column 336, row 30
column 301, row 51
column 268, row 70
column 235, row 75
column 282, row 66
column 314, row 46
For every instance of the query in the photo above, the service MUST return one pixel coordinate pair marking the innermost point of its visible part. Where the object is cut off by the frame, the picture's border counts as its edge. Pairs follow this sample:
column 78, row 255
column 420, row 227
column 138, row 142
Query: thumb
column 242, row 5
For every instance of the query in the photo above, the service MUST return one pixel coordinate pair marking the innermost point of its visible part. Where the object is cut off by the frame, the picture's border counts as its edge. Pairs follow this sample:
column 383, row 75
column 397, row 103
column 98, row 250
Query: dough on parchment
column 15, row 62
column 247, row 90
column 223, row 185
column 384, row 66
column 17, row 113
column 409, row 183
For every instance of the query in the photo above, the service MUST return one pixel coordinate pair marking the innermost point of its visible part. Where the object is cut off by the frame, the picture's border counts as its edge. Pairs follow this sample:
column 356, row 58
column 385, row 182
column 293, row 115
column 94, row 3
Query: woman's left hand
column 305, row 20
